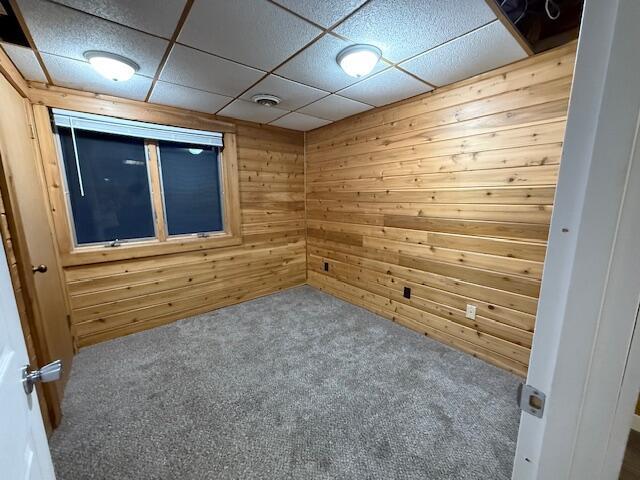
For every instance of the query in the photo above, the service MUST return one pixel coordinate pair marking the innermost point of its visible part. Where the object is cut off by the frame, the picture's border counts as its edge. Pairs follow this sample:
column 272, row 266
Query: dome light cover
column 112, row 66
column 358, row 60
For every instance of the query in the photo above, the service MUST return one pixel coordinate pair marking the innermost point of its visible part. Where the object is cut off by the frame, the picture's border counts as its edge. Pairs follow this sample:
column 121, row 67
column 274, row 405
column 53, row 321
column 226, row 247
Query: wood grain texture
column 124, row 295
column 11, row 247
column 161, row 244
column 101, row 104
column 32, row 242
column 451, row 195
column 12, row 74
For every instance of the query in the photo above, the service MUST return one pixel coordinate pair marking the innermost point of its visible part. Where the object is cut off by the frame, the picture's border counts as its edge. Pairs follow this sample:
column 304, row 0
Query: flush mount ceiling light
column 358, row 60
column 112, row 66
column 195, row 151
column 265, row 100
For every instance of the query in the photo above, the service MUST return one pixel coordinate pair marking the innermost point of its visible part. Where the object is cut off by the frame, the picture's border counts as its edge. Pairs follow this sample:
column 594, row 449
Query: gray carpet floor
column 295, row 385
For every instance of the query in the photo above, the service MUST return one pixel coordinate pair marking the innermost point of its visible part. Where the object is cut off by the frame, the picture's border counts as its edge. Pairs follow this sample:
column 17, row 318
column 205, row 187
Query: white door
column 583, row 351
column 24, row 450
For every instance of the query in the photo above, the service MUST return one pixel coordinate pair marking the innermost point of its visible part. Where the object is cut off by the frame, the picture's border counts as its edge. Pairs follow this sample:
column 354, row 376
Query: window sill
column 151, row 248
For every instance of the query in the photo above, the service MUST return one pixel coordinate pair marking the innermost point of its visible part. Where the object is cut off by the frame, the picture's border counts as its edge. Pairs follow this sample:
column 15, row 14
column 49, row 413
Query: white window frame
column 133, row 128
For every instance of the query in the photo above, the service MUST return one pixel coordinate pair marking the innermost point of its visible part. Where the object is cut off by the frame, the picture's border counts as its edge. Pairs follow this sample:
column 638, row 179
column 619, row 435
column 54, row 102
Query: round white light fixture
column 112, row 66
column 195, row 151
column 266, row 100
column 358, row 60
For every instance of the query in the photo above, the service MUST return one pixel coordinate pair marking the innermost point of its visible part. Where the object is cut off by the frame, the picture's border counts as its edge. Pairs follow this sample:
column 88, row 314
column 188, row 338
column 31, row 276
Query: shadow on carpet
column 295, row 385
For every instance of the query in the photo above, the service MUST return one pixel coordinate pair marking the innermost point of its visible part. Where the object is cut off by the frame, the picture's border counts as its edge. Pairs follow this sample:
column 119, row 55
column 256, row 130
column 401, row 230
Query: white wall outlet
column 471, row 312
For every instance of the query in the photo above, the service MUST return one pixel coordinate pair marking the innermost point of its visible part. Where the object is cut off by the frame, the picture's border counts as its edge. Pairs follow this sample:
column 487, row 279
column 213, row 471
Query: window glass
column 191, row 188
column 110, row 197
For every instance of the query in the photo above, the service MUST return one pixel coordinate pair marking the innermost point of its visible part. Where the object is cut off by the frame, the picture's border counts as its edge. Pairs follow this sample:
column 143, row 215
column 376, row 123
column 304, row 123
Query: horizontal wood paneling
column 449, row 194
column 111, row 299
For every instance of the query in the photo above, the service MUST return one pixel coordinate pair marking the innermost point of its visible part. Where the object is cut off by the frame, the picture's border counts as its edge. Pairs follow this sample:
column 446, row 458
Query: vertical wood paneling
column 449, row 194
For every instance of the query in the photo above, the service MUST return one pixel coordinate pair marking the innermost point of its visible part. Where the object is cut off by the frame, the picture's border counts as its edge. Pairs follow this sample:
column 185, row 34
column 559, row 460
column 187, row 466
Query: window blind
column 131, row 128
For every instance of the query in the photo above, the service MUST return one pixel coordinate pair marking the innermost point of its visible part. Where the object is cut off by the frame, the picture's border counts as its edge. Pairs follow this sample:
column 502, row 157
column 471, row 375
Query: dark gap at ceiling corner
column 532, row 18
column 10, row 29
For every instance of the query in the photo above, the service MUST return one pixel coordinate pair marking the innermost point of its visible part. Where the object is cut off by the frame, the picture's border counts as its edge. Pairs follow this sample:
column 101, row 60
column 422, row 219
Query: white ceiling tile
column 316, row 65
column 386, row 87
column 25, row 60
column 65, row 32
column 189, row 98
column 293, row 95
column 326, row 13
column 334, row 107
column 192, row 68
column 254, row 32
column 251, row 112
column 467, row 56
column 79, row 75
column 299, row 121
column 403, row 28
column 159, row 18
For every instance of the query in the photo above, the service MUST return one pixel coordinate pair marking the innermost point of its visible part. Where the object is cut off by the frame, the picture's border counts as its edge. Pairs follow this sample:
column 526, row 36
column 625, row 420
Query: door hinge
column 531, row 400
column 32, row 131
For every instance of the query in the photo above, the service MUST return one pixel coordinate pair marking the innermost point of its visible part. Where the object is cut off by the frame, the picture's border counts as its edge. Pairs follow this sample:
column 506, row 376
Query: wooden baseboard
column 636, row 423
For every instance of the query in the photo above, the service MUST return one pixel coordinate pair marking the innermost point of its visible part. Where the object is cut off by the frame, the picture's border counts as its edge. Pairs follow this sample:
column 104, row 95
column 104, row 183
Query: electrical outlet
column 471, row 312
column 407, row 292
column 326, row 266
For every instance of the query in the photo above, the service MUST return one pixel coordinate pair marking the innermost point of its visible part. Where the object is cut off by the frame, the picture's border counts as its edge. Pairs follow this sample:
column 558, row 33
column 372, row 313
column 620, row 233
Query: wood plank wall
column 112, row 299
column 449, row 194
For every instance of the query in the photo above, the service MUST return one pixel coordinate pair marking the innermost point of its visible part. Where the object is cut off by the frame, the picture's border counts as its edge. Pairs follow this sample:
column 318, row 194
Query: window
column 107, row 185
column 129, row 183
column 190, row 188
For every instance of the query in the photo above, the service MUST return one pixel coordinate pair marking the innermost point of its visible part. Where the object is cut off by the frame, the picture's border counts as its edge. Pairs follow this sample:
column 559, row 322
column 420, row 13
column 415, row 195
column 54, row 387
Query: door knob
column 39, row 268
column 49, row 373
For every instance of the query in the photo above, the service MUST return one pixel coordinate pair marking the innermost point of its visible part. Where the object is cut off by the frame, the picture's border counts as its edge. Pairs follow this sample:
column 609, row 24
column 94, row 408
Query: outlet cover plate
column 471, row 312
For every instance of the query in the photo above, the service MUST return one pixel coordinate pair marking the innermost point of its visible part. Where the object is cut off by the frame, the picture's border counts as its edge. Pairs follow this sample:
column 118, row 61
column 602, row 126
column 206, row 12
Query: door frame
column 27, row 450
column 50, row 400
column 586, row 349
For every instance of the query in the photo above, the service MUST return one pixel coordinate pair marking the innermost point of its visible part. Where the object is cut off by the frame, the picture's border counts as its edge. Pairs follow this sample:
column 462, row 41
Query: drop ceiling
column 213, row 55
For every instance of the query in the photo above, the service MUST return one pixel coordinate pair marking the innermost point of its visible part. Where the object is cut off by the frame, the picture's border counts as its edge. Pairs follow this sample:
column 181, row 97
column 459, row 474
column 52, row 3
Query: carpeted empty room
column 282, row 239
column 298, row 384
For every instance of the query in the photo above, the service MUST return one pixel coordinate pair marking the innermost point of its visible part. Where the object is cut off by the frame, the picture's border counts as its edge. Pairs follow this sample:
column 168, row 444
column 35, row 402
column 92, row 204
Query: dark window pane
column 191, row 187
column 116, row 202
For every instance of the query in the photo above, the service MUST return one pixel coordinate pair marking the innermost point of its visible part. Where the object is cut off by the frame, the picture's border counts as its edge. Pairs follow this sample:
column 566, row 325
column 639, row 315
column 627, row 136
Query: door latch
column 531, row 400
column 39, row 269
column 49, row 373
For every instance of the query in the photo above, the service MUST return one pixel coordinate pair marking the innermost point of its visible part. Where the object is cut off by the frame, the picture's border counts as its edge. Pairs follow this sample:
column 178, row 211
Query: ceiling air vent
column 266, row 100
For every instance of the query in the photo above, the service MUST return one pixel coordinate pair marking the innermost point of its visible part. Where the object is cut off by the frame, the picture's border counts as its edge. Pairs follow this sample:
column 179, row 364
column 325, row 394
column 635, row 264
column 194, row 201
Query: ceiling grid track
column 172, row 41
column 315, row 33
